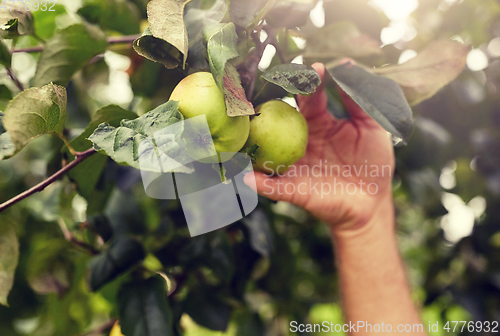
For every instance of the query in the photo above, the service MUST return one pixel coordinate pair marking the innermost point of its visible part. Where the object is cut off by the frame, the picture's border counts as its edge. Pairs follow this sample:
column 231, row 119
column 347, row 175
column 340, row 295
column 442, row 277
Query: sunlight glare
column 477, row 60
column 396, row 10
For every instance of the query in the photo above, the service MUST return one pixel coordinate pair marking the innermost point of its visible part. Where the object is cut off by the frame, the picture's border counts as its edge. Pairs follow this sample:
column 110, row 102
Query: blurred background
column 446, row 189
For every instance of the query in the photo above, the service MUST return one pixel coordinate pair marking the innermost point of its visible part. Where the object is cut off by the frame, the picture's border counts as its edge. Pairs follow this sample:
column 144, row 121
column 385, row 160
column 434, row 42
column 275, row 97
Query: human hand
column 347, row 170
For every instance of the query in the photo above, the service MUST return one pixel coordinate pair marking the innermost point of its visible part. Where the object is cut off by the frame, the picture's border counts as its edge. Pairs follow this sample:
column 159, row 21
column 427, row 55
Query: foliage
column 94, row 248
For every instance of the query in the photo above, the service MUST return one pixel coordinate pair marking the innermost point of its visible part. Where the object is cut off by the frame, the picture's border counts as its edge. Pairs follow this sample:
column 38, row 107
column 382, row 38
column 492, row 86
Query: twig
column 14, row 78
column 100, row 330
column 69, row 237
column 111, row 40
column 81, row 156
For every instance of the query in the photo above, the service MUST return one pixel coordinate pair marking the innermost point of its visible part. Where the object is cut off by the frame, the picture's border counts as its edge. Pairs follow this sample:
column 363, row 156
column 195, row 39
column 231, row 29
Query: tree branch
column 111, row 40
column 14, row 78
column 42, row 185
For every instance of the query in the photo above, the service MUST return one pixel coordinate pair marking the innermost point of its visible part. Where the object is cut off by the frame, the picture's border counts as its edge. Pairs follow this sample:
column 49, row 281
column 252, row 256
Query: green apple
column 280, row 131
column 198, row 94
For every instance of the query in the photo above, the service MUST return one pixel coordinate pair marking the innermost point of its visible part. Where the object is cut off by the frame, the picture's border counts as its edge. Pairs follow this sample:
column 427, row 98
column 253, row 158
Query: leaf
column 50, row 267
column 237, row 103
column 9, row 255
column 7, row 148
column 166, row 22
column 433, row 68
column 124, row 214
column 381, row 98
column 119, row 15
column 45, row 21
column 14, row 23
column 5, row 93
column 123, row 253
column 35, row 112
column 123, row 143
column 294, row 78
column 157, row 50
column 5, row 56
column 144, row 309
column 245, row 13
column 207, row 309
column 67, row 52
column 88, row 174
column 341, row 39
column 221, row 47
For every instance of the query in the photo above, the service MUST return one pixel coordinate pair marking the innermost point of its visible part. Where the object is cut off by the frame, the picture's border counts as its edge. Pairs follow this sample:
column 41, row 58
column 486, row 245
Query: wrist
column 362, row 229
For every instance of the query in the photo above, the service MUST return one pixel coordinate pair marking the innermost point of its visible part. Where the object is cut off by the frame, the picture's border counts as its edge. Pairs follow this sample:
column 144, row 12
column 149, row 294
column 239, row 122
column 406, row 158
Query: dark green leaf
column 9, row 255
column 7, row 147
column 157, row 50
column 100, row 225
column 5, row 56
column 15, row 23
column 45, row 21
column 144, row 308
column 5, row 92
column 341, row 39
column 221, row 47
column 67, row 52
column 208, row 309
column 123, row 253
column 245, row 13
column 123, row 143
column 166, row 22
column 124, row 214
column 119, row 15
column 35, row 112
column 294, row 78
column 381, row 98
column 432, row 69
column 234, row 95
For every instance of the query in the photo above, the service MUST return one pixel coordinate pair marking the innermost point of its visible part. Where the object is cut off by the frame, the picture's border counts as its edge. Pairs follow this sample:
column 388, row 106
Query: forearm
column 373, row 282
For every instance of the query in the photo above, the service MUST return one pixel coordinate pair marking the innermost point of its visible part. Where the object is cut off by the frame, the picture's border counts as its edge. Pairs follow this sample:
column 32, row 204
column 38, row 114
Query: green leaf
column 15, row 23
column 7, row 148
column 157, row 50
column 9, row 255
column 122, row 143
column 196, row 18
column 166, row 22
column 123, row 253
column 294, row 78
column 246, row 13
column 221, row 47
column 381, row 98
column 261, row 236
column 50, row 267
column 144, row 309
column 5, row 56
column 119, row 15
column 208, row 309
column 88, row 174
column 237, row 103
column 341, row 39
column 5, row 93
column 35, row 112
column 67, row 52
column 432, row 69
column 45, row 21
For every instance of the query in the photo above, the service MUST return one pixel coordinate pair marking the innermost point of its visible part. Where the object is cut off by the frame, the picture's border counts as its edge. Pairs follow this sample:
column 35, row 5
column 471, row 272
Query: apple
column 198, row 95
column 280, row 131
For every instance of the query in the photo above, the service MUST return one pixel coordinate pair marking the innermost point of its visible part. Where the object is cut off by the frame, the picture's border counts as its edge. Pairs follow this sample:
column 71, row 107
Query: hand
column 354, row 163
